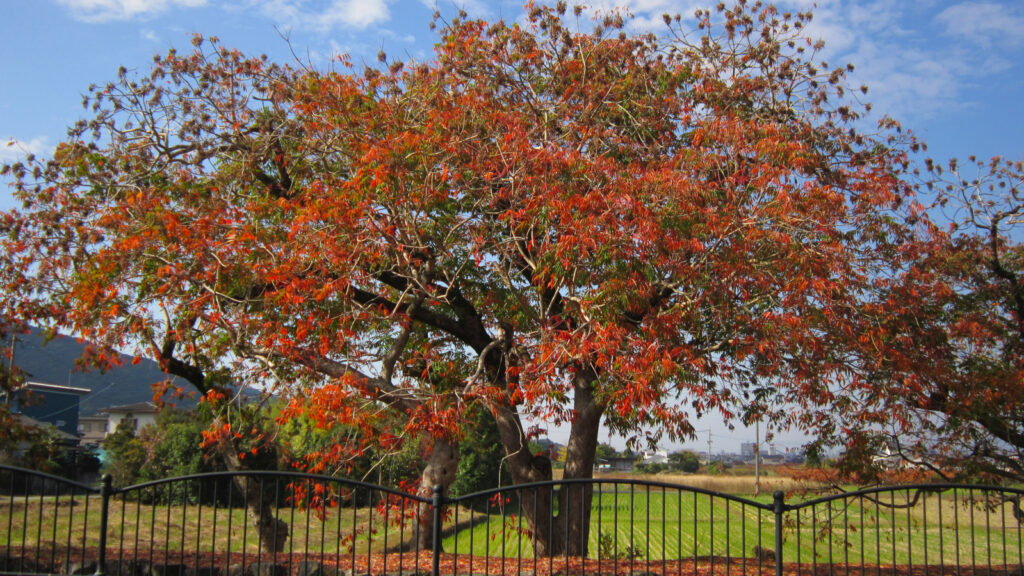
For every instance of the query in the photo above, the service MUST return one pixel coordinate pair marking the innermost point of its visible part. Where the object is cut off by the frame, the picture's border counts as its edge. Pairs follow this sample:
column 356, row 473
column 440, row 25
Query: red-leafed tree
column 942, row 385
column 121, row 235
column 564, row 226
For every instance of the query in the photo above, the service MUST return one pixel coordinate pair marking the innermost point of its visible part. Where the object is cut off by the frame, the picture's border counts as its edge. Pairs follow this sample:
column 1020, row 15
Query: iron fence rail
column 201, row 525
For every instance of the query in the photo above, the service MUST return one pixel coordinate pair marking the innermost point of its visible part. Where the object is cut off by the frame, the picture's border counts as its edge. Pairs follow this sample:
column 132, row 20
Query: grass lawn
column 656, row 524
column 626, row 522
column 135, row 526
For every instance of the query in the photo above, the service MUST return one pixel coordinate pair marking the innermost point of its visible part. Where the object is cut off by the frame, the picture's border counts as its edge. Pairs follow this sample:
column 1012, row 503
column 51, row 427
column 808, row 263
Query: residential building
column 657, row 456
column 49, row 403
column 92, row 429
column 140, row 414
column 617, row 464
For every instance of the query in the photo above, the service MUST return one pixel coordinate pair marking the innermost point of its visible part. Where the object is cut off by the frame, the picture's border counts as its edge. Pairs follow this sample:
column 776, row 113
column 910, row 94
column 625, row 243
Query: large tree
column 564, row 226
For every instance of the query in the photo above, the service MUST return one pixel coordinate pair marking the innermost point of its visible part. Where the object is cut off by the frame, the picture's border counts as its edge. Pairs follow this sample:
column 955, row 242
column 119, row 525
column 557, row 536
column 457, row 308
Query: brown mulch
column 421, row 563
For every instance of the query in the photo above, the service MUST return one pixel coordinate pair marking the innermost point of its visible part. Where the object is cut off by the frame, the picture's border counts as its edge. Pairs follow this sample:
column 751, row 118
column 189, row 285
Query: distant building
column 747, row 450
column 617, row 464
column 888, row 459
column 49, row 403
column 63, row 438
column 654, row 457
column 13, row 454
column 139, row 414
column 92, row 429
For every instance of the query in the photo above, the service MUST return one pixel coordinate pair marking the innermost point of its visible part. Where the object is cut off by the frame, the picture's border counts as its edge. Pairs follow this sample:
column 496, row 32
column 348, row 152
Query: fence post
column 780, row 507
column 105, row 491
column 436, row 544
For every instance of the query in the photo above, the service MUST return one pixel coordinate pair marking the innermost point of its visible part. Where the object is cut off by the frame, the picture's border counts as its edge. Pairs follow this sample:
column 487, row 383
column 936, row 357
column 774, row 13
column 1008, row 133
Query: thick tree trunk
column 575, row 499
column 567, row 531
column 441, row 467
column 273, row 532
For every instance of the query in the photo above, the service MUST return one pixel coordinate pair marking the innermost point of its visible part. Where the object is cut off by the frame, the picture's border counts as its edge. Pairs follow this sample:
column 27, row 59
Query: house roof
column 30, row 422
column 47, row 387
column 91, row 419
column 137, row 408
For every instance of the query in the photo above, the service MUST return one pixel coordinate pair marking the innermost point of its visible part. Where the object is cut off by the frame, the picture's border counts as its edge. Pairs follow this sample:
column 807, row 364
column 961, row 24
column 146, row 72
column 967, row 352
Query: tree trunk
column 442, row 465
column 575, row 500
column 273, row 532
column 567, row 531
column 524, row 468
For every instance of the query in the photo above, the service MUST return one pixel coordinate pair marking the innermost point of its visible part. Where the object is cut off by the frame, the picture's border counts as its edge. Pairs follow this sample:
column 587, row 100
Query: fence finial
column 779, row 500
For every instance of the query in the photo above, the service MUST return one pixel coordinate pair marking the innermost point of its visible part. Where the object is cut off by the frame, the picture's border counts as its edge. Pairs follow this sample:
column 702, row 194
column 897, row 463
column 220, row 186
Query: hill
column 53, row 362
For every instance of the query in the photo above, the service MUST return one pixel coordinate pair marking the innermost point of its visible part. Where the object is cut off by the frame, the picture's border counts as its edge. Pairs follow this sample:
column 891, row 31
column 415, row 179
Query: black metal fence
column 201, row 525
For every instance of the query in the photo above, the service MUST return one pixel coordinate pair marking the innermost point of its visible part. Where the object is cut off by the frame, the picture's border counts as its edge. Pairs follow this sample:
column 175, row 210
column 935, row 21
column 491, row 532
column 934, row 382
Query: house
column 14, row 453
column 49, row 403
column 92, row 429
column 656, row 456
column 63, row 438
column 616, row 464
column 139, row 414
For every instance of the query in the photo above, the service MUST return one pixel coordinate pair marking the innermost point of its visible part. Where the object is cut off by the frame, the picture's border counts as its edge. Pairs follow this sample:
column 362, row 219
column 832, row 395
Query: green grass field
column 32, row 521
column 625, row 522
column 656, row 525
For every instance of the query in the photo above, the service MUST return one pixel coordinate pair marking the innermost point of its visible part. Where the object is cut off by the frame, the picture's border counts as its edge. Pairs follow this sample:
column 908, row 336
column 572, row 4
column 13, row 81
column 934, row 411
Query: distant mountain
column 548, row 445
column 53, row 362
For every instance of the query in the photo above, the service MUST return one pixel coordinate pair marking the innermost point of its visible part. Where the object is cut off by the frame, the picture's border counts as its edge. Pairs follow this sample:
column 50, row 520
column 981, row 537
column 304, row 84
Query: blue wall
column 57, row 408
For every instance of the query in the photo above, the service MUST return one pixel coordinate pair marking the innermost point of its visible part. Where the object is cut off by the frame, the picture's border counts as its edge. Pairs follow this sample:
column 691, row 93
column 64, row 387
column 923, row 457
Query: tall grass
column 736, row 485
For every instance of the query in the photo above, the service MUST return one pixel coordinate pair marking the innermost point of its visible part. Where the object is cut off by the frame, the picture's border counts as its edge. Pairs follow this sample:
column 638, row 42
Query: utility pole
column 709, row 447
column 757, row 457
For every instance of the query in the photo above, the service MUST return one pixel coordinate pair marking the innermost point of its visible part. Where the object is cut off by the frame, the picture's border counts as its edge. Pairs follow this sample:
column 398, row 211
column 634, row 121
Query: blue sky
column 951, row 70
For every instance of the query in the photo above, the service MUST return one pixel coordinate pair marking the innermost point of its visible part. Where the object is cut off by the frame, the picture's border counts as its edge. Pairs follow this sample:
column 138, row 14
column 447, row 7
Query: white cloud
column 909, row 83
column 911, row 76
column 984, row 23
column 650, row 9
column 832, row 26
column 108, row 10
column 904, row 78
column 356, row 13
column 876, row 17
column 14, row 150
column 474, row 8
column 324, row 17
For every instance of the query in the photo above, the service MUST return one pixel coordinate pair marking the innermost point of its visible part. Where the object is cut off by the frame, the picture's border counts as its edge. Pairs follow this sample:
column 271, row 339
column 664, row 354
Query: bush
column 651, row 468
column 684, row 461
column 716, row 467
column 480, row 456
column 126, row 454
